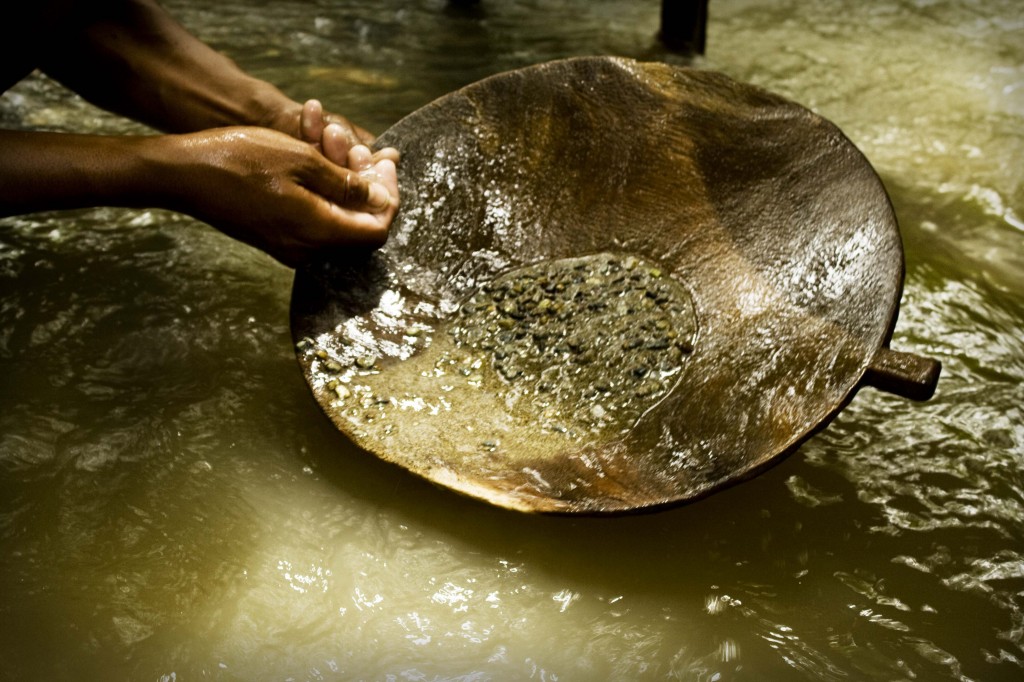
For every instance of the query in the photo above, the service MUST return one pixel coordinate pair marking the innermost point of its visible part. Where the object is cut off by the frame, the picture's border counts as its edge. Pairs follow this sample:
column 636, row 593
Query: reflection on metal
column 768, row 270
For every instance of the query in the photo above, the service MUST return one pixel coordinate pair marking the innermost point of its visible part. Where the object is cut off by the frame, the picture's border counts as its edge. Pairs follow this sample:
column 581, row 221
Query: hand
column 334, row 135
column 281, row 195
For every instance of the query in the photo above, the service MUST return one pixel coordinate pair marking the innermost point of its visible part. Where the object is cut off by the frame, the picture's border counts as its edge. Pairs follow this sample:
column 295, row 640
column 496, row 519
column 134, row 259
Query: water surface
column 173, row 505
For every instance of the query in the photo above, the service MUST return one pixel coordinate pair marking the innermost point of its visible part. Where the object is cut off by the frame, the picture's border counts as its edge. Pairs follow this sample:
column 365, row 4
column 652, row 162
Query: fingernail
column 379, row 197
column 370, row 177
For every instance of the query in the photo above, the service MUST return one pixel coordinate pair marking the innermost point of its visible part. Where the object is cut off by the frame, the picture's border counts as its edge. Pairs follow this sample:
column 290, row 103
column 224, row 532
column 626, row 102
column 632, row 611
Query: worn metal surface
column 770, row 220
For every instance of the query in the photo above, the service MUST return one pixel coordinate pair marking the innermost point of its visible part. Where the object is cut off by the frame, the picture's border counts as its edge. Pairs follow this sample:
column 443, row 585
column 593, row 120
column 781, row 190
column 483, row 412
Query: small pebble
column 571, row 331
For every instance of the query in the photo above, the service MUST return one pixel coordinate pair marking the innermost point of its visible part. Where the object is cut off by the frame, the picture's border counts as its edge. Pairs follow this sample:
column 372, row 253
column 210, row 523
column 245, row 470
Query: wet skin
column 287, row 177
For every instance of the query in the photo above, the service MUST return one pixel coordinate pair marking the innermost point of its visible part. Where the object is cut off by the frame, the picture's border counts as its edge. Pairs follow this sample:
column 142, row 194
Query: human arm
column 271, row 190
column 257, row 185
column 155, row 71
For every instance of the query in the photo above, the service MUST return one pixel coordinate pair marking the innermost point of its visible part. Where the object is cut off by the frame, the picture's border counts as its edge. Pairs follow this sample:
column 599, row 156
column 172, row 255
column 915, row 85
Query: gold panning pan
column 611, row 286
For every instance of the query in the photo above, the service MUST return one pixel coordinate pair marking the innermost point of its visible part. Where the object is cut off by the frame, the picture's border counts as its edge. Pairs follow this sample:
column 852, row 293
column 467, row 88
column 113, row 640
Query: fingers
column 314, row 122
column 357, row 134
column 349, row 207
column 311, row 121
column 279, row 194
column 350, row 190
column 366, row 184
column 336, row 144
column 389, row 153
column 334, row 136
column 321, row 129
column 378, row 198
column 360, row 159
column 344, row 211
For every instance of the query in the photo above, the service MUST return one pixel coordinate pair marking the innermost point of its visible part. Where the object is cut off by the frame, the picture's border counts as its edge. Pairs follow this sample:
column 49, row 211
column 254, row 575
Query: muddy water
column 173, row 506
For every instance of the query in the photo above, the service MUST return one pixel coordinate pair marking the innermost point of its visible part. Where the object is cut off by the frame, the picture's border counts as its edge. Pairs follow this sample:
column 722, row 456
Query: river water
column 173, row 505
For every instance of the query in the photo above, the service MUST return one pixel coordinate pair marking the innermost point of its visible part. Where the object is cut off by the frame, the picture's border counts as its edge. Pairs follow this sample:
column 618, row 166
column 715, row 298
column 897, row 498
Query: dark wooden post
column 684, row 25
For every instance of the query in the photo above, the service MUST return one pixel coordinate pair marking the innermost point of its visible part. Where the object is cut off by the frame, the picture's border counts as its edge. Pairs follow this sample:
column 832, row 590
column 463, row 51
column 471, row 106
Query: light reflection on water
column 174, row 506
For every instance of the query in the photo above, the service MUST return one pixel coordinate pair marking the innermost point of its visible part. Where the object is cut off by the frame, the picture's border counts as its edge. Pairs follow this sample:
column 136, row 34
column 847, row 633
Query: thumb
column 348, row 189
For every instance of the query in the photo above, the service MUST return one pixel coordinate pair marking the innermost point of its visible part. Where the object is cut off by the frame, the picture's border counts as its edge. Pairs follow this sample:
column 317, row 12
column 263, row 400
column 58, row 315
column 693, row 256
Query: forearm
column 47, row 171
column 258, row 185
column 131, row 57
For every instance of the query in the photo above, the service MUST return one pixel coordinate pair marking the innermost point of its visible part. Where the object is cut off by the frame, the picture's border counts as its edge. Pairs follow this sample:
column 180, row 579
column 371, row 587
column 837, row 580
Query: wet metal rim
column 736, row 248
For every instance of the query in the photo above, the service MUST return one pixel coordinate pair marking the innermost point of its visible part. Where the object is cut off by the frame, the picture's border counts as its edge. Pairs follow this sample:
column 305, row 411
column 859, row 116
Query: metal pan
column 612, row 286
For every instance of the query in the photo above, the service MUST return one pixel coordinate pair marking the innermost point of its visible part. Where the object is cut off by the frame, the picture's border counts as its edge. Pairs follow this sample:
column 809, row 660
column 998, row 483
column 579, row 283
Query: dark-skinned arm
column 289, row 187
column 257, row 185
column 131, row 57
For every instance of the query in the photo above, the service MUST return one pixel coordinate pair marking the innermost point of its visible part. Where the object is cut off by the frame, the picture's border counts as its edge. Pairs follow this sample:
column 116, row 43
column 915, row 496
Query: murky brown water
column 173, row 505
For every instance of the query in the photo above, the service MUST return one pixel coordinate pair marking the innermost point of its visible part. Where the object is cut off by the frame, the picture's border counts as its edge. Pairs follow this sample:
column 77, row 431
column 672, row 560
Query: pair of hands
column 292, row 189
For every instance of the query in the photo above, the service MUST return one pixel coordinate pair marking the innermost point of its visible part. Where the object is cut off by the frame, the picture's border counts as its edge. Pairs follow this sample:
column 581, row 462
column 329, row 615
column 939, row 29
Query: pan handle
column 903, row 374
